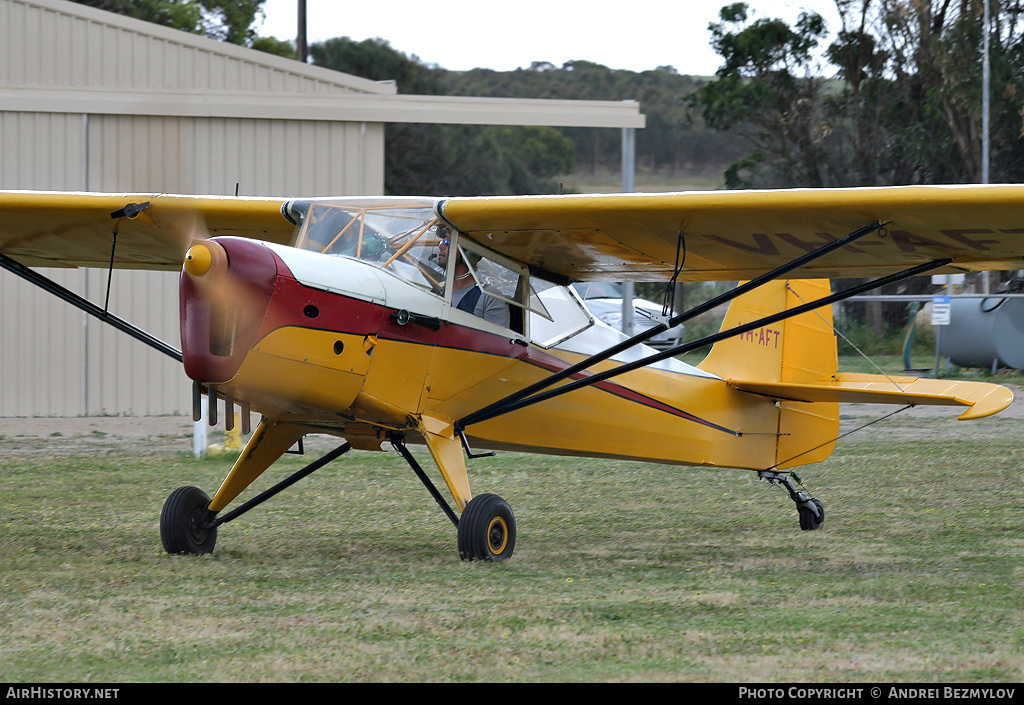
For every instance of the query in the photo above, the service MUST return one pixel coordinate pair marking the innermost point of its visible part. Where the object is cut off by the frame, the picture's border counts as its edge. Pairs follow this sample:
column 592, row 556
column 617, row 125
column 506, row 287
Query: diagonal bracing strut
column 212, row 521
column 398, row 441
column 675, row 321
column 89, row 307
column 520, row 400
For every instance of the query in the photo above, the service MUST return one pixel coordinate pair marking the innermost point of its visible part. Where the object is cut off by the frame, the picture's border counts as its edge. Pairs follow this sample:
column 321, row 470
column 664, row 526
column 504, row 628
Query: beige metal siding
column 42, row 151
column 63, row 44
column 50, row 370
column 57, row 360
column 154, row 383
column 42, row 339
column 213, row 155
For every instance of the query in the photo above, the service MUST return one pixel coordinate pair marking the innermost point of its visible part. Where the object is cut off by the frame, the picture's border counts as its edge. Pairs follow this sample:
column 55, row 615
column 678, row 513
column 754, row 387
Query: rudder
column 798, row 350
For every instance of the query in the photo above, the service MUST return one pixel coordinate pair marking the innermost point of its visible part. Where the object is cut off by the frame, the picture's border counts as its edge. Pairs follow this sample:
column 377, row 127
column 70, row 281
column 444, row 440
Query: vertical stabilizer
column 798, row 350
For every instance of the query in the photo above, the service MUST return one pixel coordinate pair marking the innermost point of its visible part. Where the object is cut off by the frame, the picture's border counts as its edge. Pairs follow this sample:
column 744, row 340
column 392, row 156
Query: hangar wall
column 56, row 59
column 102, row 371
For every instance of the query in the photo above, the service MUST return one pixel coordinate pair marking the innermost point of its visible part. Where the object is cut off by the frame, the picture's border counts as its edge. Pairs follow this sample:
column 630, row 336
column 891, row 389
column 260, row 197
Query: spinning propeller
column 226, row 285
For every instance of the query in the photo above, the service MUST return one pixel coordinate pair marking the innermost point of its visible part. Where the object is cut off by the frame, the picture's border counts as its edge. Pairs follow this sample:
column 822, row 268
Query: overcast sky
column 463, row 34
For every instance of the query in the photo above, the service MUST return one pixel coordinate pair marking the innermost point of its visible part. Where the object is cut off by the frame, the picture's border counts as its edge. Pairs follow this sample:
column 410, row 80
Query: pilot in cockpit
column 466, row 292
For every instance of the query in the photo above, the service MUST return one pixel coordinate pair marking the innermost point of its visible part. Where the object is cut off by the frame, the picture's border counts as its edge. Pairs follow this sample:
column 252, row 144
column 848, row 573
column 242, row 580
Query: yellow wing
column 719, row 235
column 41, row 229
column 732, row 235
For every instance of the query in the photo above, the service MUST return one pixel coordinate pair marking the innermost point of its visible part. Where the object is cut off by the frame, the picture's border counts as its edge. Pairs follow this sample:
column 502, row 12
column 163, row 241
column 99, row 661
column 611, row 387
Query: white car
column 604, row 300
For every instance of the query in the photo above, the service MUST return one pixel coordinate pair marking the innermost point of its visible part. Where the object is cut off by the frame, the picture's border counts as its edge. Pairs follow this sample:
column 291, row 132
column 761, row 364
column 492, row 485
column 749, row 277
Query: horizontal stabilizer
column 984, row 399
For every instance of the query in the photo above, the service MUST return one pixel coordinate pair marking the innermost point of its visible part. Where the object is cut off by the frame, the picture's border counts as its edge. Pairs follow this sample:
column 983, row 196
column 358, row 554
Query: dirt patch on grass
column 82, row 433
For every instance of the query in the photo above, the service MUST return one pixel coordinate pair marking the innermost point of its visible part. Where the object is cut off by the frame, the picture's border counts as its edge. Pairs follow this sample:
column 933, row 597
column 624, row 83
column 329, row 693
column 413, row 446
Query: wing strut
column 519, row 400
column 89, row 307
column 825, row 249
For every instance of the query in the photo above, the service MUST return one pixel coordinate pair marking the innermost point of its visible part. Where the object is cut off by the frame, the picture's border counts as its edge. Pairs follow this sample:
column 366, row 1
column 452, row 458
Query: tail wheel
column 184, row 522
column 487, row 530
column 811, row 517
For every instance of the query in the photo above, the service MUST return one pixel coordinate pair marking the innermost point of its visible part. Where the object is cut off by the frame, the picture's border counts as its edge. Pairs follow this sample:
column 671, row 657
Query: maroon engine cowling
column 222, row 309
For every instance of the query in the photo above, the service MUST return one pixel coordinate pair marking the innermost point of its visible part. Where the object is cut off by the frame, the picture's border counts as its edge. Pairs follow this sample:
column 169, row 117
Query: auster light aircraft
column 335, row 316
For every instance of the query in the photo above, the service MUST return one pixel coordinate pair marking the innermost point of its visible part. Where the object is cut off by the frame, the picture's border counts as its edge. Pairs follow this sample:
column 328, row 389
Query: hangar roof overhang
column 355, row 107
column 72, row 58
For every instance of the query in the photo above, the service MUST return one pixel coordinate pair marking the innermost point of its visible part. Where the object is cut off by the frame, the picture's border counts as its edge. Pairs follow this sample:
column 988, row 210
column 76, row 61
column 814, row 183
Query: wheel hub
column 497, row 535
column 198, row 525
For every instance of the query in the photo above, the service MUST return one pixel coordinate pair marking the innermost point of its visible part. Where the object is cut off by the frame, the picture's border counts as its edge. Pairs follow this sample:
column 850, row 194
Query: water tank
column 985, row 333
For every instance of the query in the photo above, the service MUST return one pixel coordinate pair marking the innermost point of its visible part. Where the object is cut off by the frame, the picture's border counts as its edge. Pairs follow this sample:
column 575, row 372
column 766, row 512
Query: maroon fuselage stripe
column 346, row 315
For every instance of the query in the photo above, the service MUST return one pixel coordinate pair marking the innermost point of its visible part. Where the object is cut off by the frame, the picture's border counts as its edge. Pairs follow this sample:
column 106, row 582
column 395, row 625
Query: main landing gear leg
column 811, row 511
column 487, row 528
column 189, row 519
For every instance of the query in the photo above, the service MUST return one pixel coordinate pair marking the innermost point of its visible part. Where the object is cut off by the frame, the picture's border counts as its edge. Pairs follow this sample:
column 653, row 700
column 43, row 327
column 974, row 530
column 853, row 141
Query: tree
column 674, row 139
column 377, row 60
column 933, row 59
column 770, row 93
column 902, row 105
column 543, row 151
column 900, row 102
column 226, row 20
column 273, row 45
column 437, row 160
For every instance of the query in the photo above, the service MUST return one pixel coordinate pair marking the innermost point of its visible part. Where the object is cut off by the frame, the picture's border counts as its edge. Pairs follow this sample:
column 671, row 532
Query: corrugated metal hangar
column 94, row 101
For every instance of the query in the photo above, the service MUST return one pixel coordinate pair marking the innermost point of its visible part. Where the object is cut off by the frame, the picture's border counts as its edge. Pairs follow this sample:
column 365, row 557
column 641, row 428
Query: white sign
column 941, row 308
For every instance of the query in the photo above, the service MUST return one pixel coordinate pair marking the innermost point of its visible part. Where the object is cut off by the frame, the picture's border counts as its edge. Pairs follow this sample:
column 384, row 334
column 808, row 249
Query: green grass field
column 623, row 571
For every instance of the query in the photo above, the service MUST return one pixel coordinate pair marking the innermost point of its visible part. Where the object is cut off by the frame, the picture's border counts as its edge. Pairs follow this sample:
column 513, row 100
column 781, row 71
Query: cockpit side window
column 480, row 284
column 556, row 314
column 508, row 290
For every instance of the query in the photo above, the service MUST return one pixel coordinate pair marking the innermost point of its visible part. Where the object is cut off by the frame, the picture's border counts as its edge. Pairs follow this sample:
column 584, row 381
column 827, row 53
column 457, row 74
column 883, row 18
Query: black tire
column 487, row 530
column 182, row 519
column 808, row 520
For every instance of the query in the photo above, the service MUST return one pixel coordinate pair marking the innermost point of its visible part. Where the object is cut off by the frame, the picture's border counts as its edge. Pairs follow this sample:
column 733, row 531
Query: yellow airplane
column 450, row 323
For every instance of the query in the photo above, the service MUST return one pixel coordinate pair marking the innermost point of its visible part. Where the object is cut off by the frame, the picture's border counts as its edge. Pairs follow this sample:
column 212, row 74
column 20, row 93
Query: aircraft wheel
column 487, row 530
column 809, row 521
column 182, row 522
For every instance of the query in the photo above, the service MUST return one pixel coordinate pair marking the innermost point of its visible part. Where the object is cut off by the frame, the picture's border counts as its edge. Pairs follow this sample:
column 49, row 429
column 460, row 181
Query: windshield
column 403, row 236
column 399, row 237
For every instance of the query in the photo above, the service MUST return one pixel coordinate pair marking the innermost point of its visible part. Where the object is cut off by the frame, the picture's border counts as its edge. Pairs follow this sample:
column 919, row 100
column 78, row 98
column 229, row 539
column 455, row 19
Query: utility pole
column 628, row 186
column 300, row 40
column 986, row 79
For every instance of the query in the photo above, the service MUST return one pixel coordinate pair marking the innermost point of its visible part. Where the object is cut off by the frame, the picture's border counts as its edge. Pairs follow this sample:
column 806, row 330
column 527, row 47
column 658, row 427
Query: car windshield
column 598, row 290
